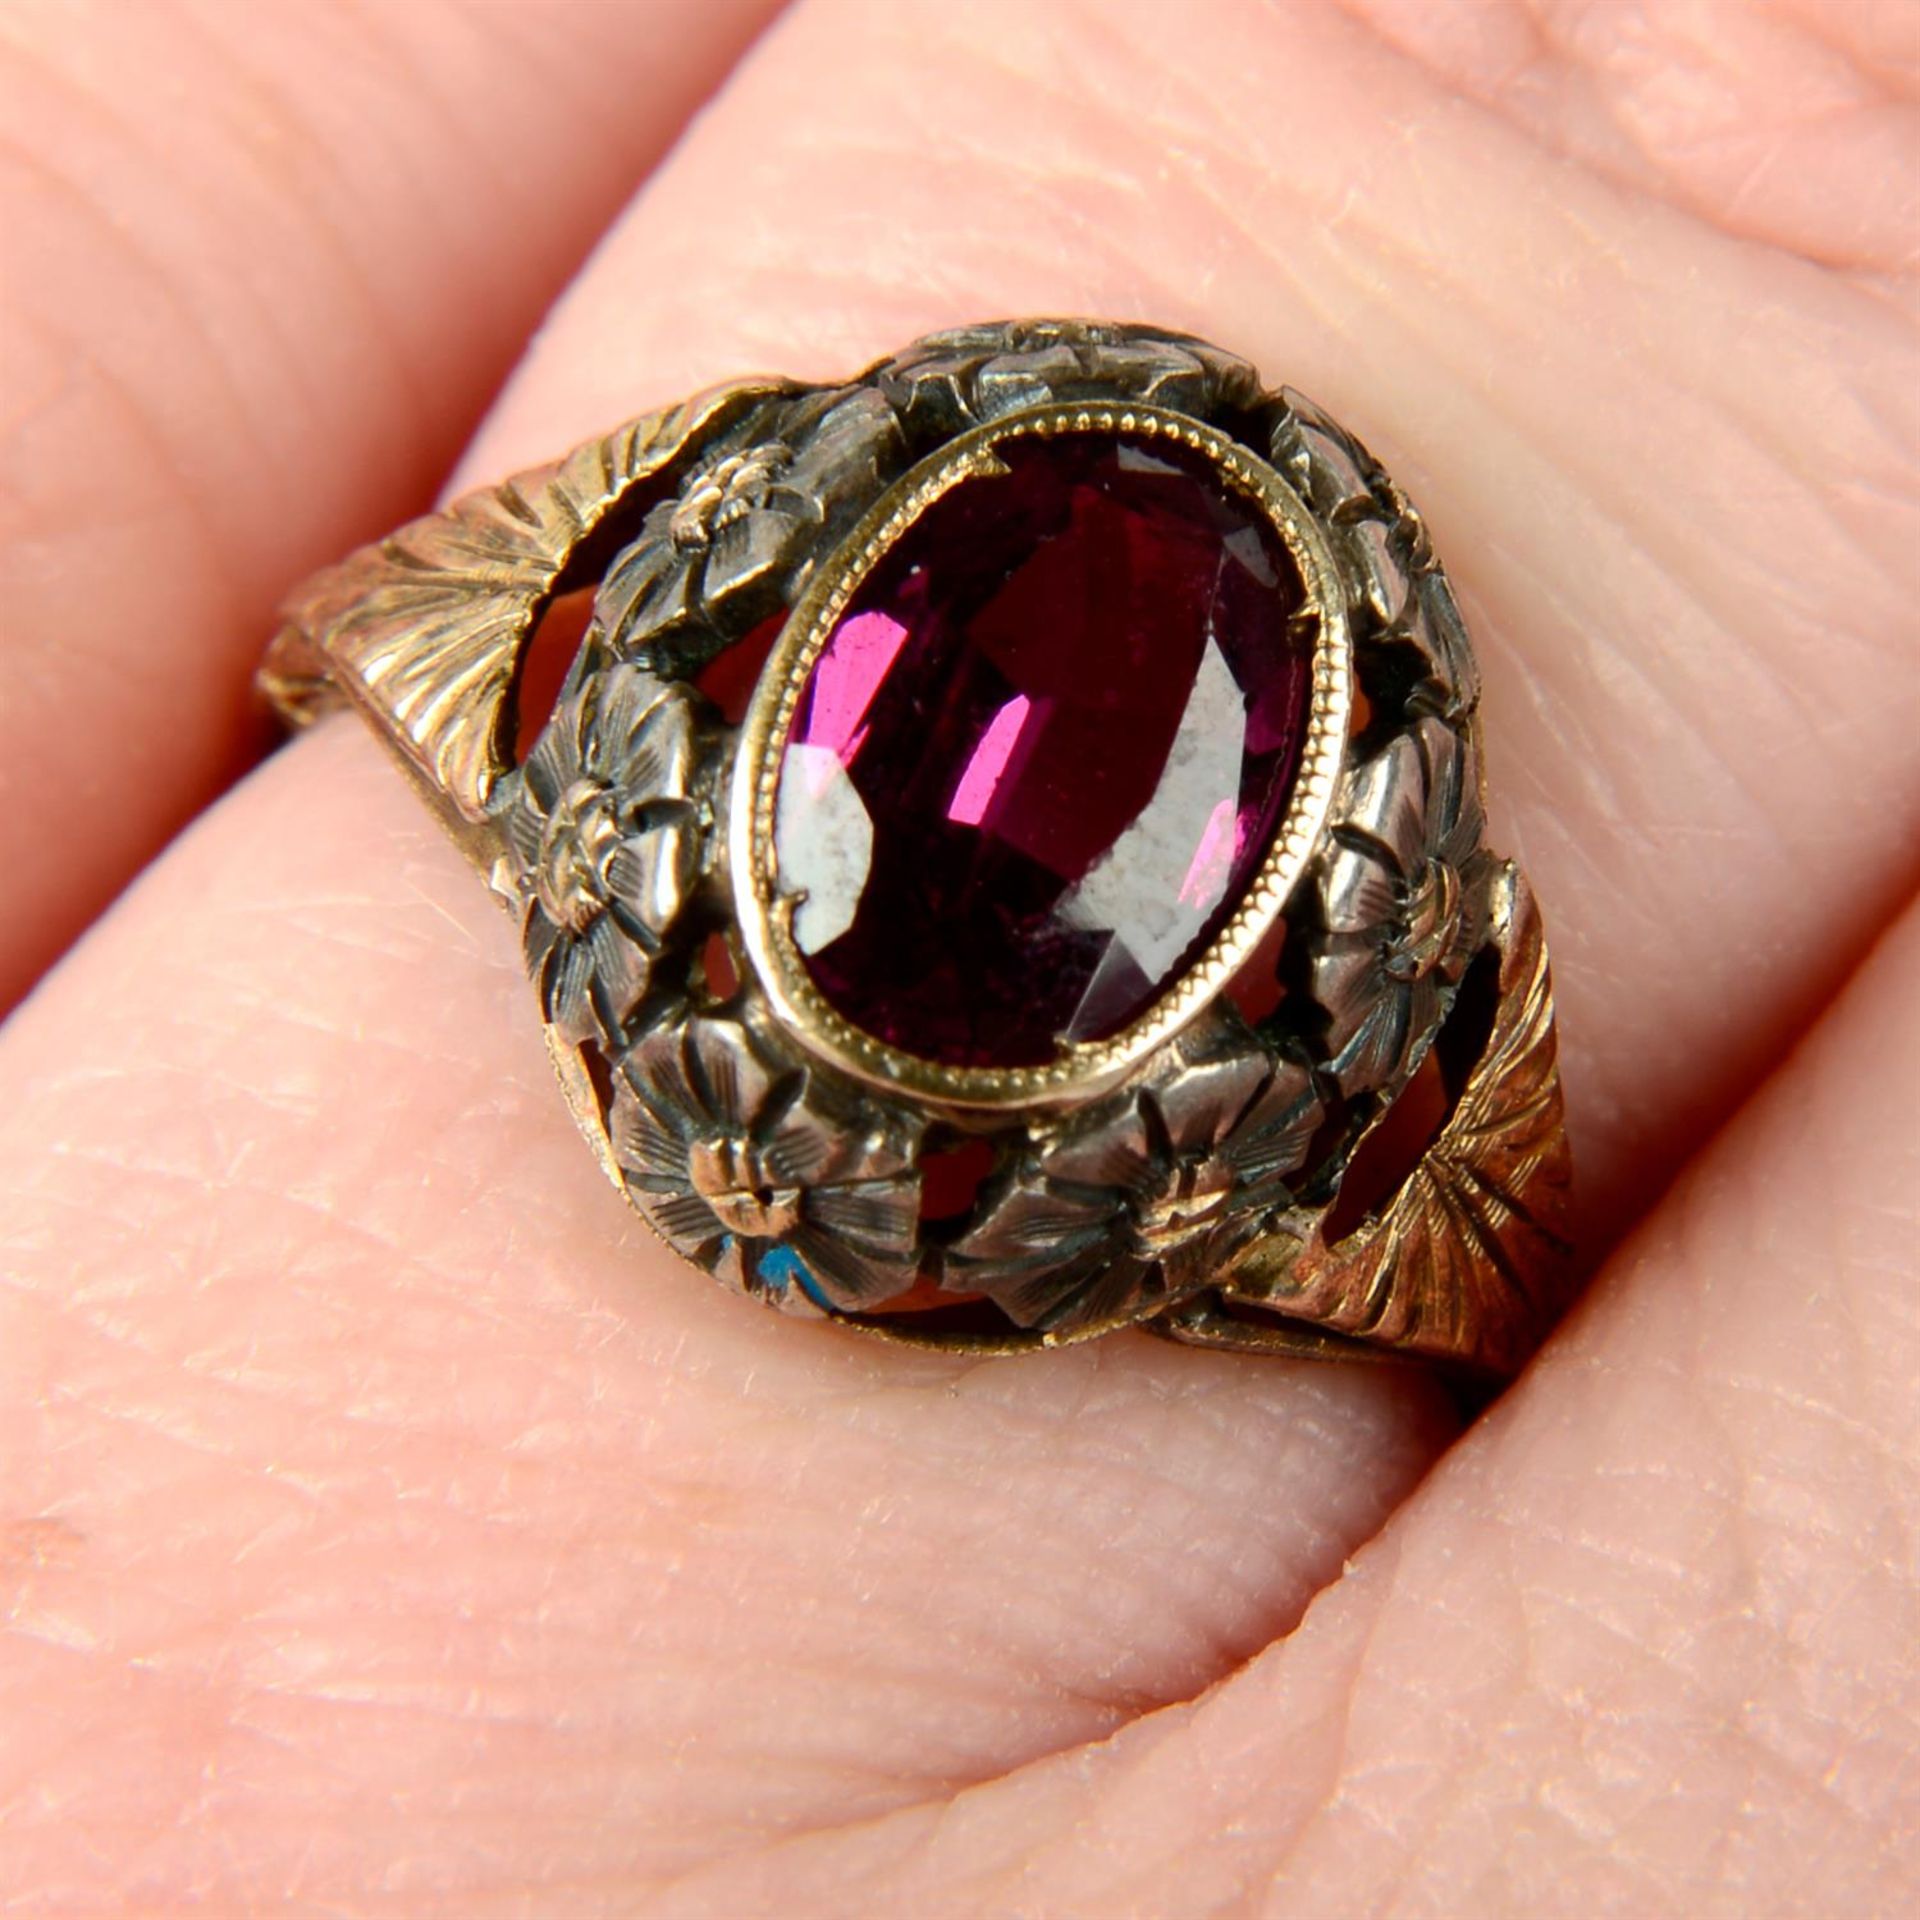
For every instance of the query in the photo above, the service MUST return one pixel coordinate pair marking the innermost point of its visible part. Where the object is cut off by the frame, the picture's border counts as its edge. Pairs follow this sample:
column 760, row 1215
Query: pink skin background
column 388, row 1527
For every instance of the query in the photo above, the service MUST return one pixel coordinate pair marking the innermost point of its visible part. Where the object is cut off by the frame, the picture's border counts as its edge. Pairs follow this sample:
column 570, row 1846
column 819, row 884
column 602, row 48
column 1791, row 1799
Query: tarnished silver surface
column 1399, row 902
column 1148, row 1195
column 1188, row 1193
column 608, row 830
column 755, row 1166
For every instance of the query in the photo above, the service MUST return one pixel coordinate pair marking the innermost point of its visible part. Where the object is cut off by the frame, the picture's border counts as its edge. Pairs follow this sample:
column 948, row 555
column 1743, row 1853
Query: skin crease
column 388, row 1527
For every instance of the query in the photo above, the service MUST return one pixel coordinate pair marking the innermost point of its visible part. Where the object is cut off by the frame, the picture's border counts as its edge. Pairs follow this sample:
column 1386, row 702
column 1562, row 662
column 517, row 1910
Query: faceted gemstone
column 1045, row 747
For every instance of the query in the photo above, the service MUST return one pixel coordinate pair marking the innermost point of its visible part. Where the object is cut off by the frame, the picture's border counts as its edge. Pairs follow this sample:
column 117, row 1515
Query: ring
column 1006, row 858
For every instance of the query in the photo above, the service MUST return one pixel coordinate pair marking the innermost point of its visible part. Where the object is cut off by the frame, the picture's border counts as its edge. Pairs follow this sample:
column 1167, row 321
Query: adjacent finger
column 263, row 265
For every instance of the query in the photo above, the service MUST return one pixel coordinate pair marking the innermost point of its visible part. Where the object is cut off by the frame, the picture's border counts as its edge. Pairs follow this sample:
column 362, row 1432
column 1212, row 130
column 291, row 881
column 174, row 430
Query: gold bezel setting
column 765, row 913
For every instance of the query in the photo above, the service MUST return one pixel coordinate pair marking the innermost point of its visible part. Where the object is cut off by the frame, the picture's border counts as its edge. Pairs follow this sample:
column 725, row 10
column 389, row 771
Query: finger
column 1686, row 545
column 378, row 1490
column 1644, row 1645
column 1050, row 249
column 263, row 267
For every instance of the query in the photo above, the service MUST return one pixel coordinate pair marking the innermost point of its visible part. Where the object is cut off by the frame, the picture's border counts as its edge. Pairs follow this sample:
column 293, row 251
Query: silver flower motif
column 1148, row 1196
column 1399, row 899
column 753, row 1171
column 606, row 830
column 726, row 551
column 1450, row 681
column 1409, row 630
column 726, row 492
column 1329, row 466
column 971, row 374
column 1411, row 639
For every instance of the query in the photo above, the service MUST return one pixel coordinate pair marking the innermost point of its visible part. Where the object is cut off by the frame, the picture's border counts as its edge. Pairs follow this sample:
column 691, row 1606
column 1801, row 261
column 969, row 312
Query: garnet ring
column 1006, row 858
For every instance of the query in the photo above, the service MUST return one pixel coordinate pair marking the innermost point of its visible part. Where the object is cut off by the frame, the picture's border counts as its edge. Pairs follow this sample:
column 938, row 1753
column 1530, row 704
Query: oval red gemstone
column 1043, row 750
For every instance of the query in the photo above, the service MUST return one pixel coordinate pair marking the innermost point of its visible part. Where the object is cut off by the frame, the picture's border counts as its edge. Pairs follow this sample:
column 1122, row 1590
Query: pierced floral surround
column 1189, row 1194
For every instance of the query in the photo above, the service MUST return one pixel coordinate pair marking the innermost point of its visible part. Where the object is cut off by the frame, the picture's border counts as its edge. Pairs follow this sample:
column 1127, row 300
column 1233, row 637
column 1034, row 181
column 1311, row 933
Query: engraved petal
column 632, row 586
column 1030, row 1222
column 650, row 1145
column 880, row 1216
column 1381, row 570
column 1359, row 893
column 1091, row 1290
column 750, row 551
column 652, row 873
column 1272, row 1141
column 1456, row 823
column 1337, row 477
column 660, row 597
column 1109, row 1149
column 620, row 701
column 1388, row 800
column 1371, row 1055
column 538, row 937
column 1441, row 636
column 565, row 981
column 660, row 759
column 851, row 454
column 655, row 1071
column 616, row 971
column 1203, row 1098
column 725, row 1070
column 855, row 1279
column 523, row 827
column 554, row 764
column 686, row 1220
column 807, row 1147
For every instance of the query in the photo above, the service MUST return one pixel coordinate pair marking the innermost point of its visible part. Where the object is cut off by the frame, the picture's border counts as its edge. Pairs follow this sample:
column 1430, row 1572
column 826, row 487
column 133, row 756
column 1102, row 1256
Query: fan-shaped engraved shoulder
column 1467, row 1260
column 423, row 630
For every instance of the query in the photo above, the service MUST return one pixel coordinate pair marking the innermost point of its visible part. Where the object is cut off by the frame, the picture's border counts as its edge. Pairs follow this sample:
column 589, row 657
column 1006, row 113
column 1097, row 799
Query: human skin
column 387, row 1525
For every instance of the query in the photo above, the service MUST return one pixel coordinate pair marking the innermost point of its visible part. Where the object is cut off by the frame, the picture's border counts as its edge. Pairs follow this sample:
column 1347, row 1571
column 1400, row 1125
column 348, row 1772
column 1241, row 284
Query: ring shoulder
column 424, row 631
column 1466, row 1259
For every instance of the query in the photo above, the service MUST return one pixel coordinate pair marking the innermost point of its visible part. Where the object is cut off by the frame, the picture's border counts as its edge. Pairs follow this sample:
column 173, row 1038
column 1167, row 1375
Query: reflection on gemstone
column 848, row 677
column 1118, row 987
column 1206, row 882
column 1247, row 548
column 1044, row 748
column 985, row 771
column 1137, row 888
column 825, row 837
